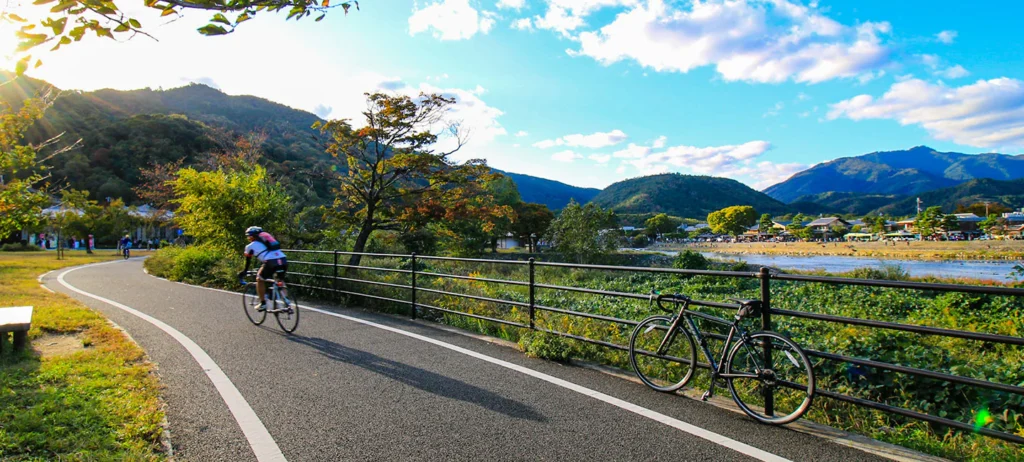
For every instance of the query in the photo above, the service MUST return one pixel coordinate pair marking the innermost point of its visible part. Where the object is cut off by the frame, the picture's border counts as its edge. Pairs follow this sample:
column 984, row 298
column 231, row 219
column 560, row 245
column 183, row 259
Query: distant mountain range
column 1009, row 193
column 551, row 193
column 907, row 172
column 683, row 195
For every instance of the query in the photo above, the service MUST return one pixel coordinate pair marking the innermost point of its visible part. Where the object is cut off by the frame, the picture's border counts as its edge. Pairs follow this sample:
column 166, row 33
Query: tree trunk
column 360, row 245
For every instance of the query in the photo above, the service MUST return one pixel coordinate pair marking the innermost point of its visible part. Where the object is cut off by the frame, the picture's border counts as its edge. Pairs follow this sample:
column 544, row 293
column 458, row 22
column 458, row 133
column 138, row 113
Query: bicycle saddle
column 748, row 307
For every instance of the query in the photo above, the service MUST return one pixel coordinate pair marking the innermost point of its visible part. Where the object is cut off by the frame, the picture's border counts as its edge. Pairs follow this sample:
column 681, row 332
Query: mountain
column 846, row 202
column 1009, row 193
column 687, row 196
column 907, row 172
column 124, row 131
column 554, row 194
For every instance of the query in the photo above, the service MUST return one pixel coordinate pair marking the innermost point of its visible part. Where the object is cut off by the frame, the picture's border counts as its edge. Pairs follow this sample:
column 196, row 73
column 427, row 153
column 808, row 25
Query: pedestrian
column 89, row 244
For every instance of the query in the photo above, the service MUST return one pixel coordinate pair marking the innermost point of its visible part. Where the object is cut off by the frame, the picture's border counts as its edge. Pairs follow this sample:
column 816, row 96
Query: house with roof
column 825, row 225
column 968, row 223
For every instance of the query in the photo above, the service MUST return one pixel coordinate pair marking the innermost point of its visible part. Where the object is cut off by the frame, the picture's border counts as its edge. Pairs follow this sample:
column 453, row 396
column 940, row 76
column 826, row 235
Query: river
column 977, row 269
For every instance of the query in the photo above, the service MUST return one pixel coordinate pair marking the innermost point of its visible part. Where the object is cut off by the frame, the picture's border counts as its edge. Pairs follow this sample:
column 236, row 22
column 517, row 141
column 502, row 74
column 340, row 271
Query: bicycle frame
column 717, row 369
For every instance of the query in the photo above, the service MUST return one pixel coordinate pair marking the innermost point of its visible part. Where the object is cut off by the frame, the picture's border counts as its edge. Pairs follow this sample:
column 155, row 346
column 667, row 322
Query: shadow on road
column 423, row 379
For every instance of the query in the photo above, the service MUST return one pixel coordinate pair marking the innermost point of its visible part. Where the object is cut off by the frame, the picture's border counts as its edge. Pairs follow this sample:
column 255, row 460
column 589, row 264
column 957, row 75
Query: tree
column 217, row 206
column 993, row 224
column 928, row 221
column 984, row 209
column 732, row 220
column 766, row 225
column 71, row 207
column 949, row 223
column 105, row 19
column 662, row 224
column 877, row 224
column 22, row 174
column 532, row 221
column 581, row 233
column 393, row 167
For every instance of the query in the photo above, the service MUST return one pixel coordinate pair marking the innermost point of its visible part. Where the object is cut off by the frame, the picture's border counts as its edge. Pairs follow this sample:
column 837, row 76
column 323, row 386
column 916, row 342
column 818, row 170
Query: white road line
column 263, row 445
column 47, row 289
column 694, row 430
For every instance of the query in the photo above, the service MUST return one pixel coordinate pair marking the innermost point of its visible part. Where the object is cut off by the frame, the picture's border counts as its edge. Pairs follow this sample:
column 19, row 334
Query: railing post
column 766, row 324
column 412, row 306
column 533, row 300
column 334, row 280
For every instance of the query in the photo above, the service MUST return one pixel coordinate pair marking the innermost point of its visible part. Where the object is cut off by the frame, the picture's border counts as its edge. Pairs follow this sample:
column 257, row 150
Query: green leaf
column 168, row 11
column 242, row 17
column 318, row 18
column 77, row 33
column 22, row 65
column 15, row 17
column 103, row 32
column 221, row 19
column 124, row 27
column 58, row 25
column 42, row 2
column 135, row 23
column 212, row 29
column 63, row 6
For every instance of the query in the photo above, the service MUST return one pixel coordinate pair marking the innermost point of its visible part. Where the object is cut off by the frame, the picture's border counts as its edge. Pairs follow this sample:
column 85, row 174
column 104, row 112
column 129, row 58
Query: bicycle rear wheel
column 786, row 382
column 251, row 301
column 670, row 370
column 287, row 312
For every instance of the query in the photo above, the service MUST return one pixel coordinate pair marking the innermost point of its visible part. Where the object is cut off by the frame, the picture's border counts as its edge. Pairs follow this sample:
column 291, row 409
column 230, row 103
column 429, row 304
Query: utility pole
column 919, row 205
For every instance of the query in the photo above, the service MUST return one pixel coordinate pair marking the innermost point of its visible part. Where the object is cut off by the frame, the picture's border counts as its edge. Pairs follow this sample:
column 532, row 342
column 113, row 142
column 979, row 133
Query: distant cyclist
column 126, row 245
column 267, row 250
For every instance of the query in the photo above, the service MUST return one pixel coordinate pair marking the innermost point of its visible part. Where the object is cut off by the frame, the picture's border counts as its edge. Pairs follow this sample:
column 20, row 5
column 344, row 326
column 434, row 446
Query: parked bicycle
column 768, row 374
column 283, row 306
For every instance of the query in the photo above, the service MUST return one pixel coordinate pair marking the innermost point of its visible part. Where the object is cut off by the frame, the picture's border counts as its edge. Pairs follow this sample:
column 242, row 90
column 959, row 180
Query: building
column 509, row 241
column 824, row 225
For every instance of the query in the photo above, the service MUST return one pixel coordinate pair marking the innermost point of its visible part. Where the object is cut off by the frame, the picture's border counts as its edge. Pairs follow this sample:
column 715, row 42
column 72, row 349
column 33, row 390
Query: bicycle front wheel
column 777, row 391
column 670, row 369
column 250, row 302
column 287, row 312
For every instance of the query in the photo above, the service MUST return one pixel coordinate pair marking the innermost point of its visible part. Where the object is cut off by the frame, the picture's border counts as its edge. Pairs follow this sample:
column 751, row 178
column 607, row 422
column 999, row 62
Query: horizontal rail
column 476, row 260
column 473, row 297
column 586, row 315
column 384, row 255
column 308, row 251
column 989, row 290
column 374, row 268
column 311, row 263
column 918, row 415
column 735, row 274
column 609, row 293
column 904, row 327
column 919, row 372
column 471, row 278
column 364, row 281
column 475, row 316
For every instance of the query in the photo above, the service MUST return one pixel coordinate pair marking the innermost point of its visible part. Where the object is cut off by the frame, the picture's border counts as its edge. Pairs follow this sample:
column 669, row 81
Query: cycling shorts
column 275, row 265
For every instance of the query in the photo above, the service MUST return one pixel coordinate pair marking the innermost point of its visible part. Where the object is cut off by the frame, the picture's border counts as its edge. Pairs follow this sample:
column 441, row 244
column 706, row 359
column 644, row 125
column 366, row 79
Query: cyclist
column 126, row 245
column 267, row 250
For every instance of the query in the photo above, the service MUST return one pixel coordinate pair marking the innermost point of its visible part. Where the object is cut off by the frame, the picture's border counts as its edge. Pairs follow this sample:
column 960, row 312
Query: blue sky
column 590, row 92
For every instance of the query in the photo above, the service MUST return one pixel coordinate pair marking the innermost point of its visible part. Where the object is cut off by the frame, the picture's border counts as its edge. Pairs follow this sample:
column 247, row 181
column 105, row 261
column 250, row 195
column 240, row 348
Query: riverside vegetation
column 84, row 390
column 983, row 313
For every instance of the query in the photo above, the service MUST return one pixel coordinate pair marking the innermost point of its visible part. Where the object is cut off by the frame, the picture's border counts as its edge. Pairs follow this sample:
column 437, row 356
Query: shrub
column 545, row 346
column 20, row 247
column 886, row 272
column 204, row 265
column 691, row 260
column 640, row 241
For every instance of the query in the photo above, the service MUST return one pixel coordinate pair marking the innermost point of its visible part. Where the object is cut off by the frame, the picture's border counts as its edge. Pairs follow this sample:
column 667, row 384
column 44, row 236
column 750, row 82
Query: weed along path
column 355, row 385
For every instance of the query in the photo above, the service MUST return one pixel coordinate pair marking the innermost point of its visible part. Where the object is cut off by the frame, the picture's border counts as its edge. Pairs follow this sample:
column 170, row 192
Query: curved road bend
column 345, row 390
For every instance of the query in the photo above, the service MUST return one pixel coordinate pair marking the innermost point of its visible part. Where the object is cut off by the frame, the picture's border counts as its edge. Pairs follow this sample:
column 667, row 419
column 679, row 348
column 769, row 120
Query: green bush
column 691, row 260
column 17, row 247
column 886, row 272
column 203, row 265
column 545, row 346
column 639, row 241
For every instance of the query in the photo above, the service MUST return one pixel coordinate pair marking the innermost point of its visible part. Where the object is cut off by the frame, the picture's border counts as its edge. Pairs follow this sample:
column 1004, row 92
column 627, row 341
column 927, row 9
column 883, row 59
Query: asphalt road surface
column 355, row 385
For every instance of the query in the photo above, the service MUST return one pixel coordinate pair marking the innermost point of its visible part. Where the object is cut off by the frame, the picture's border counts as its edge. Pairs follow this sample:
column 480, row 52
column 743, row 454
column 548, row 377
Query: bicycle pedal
column 705, row 396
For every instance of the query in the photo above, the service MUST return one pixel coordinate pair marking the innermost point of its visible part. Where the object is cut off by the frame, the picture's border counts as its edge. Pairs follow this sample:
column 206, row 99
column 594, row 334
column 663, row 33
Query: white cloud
column 954, row 72
column 600, row 158
column 774, row 111
column 632, row 152
column 512, row 4
column 946, row 36
column 566, row 156
column 802, row 96
column 565, row 16
column 730, row 161
column 522, row 24
column 593, row 141
column 748, row 40
column 931, row 61
column 521, row 133
column 987, row 113
column 660, row 142
column 451, row 20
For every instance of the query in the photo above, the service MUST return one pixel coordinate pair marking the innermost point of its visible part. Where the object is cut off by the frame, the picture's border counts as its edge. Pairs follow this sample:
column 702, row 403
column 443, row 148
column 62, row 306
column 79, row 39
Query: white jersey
column 258, row 250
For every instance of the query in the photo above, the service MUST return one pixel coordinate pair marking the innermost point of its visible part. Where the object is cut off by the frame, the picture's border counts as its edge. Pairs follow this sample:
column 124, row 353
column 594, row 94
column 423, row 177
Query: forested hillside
column 687, row 196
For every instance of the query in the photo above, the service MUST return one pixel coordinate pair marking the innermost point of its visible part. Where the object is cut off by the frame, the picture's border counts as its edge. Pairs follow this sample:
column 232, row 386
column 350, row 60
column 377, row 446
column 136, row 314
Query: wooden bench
column 18, row 320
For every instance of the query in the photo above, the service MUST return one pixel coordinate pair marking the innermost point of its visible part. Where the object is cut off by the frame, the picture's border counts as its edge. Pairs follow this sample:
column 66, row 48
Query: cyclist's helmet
column 253, row 231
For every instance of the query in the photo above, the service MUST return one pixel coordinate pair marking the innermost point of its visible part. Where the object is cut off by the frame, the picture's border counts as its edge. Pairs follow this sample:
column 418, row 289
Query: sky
column 590, row 92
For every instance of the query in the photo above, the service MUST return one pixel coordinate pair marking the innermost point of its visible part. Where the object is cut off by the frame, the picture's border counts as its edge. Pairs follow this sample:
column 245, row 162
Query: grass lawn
column 912, row 250
column 82, row 390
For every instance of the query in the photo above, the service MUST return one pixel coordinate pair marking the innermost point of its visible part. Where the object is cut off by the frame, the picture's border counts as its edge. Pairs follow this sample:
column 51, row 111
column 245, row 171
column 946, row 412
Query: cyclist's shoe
column 262, row 307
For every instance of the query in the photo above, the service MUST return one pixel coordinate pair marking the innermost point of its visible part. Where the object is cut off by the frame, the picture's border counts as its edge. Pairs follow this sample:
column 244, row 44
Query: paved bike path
column 342, row 390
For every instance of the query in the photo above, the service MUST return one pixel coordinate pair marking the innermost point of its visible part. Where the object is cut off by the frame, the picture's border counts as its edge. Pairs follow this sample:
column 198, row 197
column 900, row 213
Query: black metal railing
column 407, row 264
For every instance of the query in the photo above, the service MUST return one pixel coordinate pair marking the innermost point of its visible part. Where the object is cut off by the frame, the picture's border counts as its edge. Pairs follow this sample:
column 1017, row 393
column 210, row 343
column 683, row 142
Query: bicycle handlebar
column 657, row 297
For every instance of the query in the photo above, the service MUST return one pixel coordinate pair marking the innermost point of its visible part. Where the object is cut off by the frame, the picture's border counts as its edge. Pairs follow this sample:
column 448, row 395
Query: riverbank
column 908, row 250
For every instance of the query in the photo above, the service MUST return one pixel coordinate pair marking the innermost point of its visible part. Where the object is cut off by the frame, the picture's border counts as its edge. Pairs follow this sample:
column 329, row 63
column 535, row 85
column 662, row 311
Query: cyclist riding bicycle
column 126, row 244
column 267, row 250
